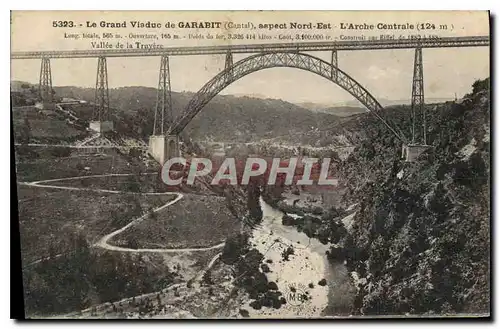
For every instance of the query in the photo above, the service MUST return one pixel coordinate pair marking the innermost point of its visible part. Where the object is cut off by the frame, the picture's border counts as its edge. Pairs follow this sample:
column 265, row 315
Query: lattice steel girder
column 334, row 63
column 417, row 101
column 45, row 83
column 101, row 107
column 163, row 111
column 475, row 41
column 268, row 60
column 228, row 66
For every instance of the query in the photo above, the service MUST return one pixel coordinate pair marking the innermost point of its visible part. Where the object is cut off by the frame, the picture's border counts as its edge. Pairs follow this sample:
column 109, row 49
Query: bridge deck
column 477, row 41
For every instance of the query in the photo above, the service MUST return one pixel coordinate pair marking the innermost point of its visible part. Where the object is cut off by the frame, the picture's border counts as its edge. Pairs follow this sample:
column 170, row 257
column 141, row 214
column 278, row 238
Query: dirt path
column 103, row 242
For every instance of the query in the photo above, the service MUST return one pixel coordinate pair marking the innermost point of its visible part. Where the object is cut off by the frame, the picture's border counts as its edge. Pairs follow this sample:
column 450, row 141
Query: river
column 299, row 276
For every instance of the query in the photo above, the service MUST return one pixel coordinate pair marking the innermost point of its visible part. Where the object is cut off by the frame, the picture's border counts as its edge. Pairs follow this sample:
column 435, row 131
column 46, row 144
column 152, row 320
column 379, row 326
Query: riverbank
column 299, row 277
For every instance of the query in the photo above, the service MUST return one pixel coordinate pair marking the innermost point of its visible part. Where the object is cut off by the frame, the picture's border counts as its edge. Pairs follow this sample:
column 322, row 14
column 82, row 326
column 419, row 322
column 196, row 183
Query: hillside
column 415, row 236
column 225, row 118
column 420, row 240
column 338, row 110
column 392, row 102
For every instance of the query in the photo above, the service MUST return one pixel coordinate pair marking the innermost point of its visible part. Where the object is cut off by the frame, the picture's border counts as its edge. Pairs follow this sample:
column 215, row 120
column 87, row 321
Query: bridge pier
column 45, row 86
column 101, row 121
column 163, row 112
column 418, row 143
column 164, row 147
column 419, row 126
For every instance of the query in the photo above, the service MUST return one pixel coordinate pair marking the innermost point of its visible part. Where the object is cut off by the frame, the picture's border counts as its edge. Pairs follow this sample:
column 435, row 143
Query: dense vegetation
column 44, row 126
column 420, row 240
column 85, row 277
column 327, row 228
column 225, row 118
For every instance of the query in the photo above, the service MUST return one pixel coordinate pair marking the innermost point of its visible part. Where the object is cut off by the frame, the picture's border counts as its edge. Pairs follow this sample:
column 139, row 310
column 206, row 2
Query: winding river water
column 299, row 276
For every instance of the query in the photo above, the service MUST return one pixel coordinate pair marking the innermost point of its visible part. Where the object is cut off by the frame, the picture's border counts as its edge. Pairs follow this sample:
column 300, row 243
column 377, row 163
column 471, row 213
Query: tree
column 480, row 85
column 207, row 278
column 234, row 247
column 253, row 203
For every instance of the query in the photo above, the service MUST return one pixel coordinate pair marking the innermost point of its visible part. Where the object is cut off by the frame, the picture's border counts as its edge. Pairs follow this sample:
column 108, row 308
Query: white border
column 199, row 5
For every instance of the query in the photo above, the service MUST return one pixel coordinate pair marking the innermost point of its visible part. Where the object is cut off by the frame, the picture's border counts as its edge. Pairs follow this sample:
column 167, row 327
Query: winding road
column 103, row 242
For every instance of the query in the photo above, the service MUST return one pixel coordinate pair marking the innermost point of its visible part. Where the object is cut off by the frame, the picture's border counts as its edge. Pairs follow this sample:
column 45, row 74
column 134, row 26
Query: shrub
column 272, row 285
column 285, row 254
column 265, row 268
column 336, row 254
column 256, row 304
column 244, row 313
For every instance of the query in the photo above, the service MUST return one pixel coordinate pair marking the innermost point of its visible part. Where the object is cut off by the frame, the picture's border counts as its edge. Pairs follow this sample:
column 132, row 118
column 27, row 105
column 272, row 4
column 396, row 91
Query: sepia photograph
column 251, row 164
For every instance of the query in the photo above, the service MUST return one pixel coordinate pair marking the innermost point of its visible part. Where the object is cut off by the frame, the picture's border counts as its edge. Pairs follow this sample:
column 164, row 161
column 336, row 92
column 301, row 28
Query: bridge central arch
column 263, row 61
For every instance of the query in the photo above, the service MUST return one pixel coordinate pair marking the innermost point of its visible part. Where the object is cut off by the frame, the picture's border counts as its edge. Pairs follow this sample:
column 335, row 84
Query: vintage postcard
column 251, row 164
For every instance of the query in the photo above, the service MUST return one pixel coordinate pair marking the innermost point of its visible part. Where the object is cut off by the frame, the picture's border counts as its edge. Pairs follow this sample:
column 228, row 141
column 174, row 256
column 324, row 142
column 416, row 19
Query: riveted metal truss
column 419, row 127
column 101, row 107
column 475, row 41
column 163, row 111
column 334, row 63
column 45, row 83
column 228, row 67
column 281, row 59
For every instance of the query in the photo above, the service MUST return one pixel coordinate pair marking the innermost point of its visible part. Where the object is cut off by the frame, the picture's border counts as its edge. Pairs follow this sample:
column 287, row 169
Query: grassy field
column 194, row 221
column 131, row 182
column 50, row 218
column 43, row 126
column 47, row 165
column 64, row 273
column 64, row 224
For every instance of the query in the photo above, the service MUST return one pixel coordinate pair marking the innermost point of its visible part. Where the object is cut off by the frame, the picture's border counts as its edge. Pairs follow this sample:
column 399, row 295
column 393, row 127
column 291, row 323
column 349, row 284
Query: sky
column 386, row 74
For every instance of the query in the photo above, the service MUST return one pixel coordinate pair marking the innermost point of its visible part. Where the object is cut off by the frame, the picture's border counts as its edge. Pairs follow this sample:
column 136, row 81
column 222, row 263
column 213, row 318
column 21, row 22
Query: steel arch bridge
column 263, row 61
column 164, row 143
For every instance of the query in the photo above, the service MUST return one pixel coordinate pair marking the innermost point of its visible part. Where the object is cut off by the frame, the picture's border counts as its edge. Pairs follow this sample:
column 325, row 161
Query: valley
column 103, row 237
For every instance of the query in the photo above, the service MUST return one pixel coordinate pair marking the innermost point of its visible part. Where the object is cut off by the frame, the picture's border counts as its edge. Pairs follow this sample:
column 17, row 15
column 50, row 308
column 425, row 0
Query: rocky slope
column 420, row 239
